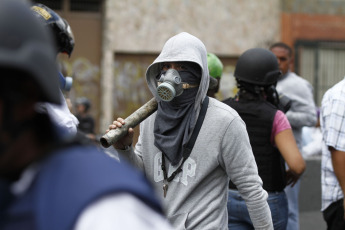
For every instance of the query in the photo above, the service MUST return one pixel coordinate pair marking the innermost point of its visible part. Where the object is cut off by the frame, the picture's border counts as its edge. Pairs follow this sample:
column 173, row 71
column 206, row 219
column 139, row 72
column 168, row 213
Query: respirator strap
column 272, row 95
column 184, row 85
column 189, row 147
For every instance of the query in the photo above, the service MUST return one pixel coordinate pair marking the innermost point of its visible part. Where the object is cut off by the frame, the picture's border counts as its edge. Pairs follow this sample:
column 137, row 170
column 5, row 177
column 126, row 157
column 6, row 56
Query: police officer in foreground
column 46, row 183
column 64, row 44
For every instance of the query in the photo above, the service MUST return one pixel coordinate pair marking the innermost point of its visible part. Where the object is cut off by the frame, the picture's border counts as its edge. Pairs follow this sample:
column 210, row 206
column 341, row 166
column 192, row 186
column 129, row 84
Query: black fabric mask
column 172, row 126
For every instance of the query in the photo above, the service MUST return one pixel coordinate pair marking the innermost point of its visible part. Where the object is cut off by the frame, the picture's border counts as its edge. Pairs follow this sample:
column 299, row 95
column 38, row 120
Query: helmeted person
column 45, row 182
column 86, row 122
column 270, row 134
column 215, row 67
column 192, row 144
column 64, row 43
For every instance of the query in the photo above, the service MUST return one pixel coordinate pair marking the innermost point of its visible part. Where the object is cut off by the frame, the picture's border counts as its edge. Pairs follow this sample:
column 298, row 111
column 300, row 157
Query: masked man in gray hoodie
column 193, row 144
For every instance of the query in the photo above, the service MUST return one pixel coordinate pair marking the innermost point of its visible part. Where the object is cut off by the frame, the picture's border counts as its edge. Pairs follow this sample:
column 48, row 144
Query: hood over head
column 175, row 123
column 181, row 47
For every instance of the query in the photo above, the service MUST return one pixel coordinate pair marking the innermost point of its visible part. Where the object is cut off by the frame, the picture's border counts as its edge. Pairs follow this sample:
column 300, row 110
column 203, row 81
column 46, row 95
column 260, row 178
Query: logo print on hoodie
column 188, row 170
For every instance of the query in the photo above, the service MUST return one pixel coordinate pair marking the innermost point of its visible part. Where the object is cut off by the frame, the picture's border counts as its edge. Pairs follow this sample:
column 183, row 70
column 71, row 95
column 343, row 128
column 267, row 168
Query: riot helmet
column 215, row 66
column 83, row 101
column 257, row 66
column 257, row 71
column 62, row 31
column 26, row 47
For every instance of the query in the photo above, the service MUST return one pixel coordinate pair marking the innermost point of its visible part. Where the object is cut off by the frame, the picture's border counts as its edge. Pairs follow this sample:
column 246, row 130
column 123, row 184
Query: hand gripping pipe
column 136, row 118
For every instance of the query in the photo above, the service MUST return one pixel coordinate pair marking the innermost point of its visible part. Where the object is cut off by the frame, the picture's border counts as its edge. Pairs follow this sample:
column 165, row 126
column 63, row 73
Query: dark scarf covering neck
column 173, row 123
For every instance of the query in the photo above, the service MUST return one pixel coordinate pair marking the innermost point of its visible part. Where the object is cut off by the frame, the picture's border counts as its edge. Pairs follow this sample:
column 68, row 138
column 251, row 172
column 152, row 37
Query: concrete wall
column 140, row 29
column 226, row 27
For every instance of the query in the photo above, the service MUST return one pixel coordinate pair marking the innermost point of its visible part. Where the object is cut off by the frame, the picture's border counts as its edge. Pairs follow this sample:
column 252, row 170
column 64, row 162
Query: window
column 321, row 63
column 86, row 5
column 53, row 4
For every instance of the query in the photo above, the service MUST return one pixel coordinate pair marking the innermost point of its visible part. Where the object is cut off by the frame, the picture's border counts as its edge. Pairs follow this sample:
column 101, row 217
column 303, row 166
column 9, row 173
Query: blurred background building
column 117, row 39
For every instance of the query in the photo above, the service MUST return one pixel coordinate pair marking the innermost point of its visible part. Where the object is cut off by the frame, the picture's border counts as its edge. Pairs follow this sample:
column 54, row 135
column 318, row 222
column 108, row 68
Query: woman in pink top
column 270, row 135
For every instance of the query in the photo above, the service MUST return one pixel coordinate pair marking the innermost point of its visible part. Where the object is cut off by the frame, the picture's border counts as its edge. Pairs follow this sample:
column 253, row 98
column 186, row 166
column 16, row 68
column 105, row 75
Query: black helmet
column 257, row 66
column 83, row 101
column 62, row 31
column 26, row 46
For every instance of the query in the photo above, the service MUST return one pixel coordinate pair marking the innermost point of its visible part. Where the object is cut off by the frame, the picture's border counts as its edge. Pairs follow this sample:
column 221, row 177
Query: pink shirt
column 280, row 123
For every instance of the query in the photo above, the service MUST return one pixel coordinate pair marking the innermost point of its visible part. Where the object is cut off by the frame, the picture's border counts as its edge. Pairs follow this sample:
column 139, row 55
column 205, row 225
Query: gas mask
column 171, row 86
column 68, row 83
column 65, row 82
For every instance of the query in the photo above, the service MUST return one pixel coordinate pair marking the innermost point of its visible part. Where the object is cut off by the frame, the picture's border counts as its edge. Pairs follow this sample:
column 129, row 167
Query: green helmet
column 215, row 66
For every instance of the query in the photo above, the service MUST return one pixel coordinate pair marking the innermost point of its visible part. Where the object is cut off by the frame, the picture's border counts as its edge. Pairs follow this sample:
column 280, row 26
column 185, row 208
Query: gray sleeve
column 303, row 110
column 133, row 156
column 241, row 167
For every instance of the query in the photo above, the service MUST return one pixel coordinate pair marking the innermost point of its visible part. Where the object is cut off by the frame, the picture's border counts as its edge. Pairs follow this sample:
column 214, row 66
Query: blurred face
column 283, row 57
column 179, row 66
column 80, row 108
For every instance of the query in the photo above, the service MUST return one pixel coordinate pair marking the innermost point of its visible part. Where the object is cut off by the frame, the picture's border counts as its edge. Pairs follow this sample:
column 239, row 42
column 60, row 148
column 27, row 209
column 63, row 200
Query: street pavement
column 312, row 220
column 310, row 197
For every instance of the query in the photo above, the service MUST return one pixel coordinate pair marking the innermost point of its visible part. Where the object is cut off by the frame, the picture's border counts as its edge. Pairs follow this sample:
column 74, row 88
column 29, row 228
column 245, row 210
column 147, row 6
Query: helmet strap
column 248, row 87
column 272, row 95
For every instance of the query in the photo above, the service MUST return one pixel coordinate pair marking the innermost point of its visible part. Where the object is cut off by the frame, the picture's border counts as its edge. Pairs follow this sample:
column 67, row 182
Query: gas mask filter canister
column 169, row 85
column 65, row 82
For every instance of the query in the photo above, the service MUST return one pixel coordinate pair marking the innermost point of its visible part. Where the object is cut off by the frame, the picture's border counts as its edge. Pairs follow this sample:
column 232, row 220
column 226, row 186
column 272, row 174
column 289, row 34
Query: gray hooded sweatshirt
column 197, row 196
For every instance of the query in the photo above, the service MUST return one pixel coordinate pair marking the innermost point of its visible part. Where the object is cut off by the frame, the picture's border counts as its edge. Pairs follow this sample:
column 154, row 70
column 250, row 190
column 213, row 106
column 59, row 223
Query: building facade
column 116, row 40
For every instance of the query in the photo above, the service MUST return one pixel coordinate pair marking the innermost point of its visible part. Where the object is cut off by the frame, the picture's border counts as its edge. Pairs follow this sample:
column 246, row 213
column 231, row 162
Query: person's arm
column 124, row 145
column 241, row 167
column 300, row 119
column 287, row 146
column 125, row 141
column 283, row 138
column 302, row 111
column 338, row 161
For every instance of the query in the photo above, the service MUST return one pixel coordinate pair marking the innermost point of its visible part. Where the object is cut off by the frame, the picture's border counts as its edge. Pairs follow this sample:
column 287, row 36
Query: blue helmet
column 61, row 29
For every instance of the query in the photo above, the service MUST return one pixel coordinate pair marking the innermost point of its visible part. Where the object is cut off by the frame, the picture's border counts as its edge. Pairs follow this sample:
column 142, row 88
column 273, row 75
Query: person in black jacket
column 86, row 122
column 270, row 134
